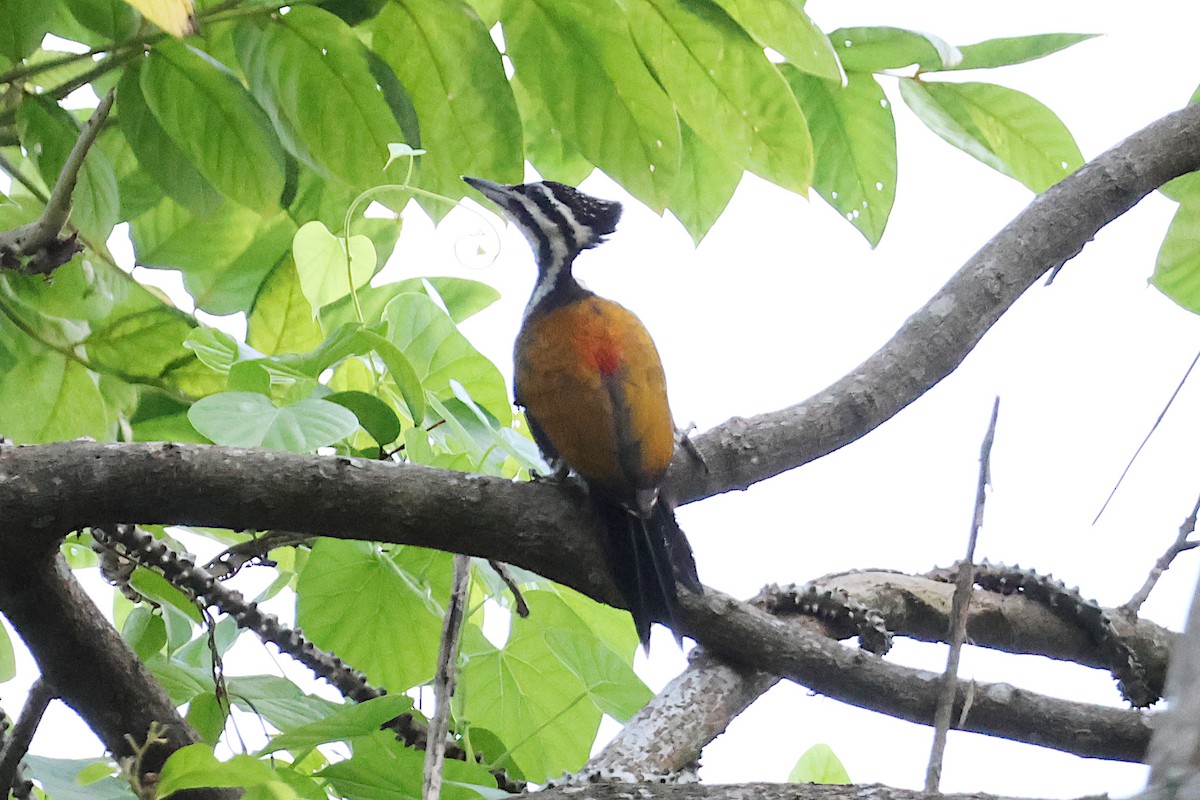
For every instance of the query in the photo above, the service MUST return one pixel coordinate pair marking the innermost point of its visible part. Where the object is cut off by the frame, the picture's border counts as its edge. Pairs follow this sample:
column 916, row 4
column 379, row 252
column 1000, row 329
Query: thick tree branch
column 757, row 791
column 935, row 340
column 59, row 487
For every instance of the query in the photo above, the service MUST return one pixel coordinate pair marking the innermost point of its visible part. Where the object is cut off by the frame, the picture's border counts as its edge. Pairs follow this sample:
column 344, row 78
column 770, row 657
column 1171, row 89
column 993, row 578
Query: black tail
column 647, row 556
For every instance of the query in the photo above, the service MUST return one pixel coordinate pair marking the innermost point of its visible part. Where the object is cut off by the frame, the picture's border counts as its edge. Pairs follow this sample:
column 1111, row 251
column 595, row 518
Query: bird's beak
column 498, row 193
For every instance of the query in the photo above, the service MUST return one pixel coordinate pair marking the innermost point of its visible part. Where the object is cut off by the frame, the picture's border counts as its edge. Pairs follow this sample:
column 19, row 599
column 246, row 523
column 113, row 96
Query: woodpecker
column 595, row 396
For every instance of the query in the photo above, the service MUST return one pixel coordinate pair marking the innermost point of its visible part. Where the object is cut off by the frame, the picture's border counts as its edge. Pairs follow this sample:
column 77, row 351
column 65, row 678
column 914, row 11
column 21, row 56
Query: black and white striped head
column 558, row 220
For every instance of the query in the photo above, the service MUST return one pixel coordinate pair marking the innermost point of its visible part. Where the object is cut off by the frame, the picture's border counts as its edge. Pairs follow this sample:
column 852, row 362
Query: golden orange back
column 592, row 383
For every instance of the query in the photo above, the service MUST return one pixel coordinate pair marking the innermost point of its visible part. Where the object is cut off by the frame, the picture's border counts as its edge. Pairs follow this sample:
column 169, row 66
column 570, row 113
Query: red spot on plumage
column 607, row 360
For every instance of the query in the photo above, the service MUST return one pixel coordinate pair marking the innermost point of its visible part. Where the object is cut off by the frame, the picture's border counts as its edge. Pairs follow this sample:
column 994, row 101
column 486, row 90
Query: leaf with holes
column 581, row 64
column 726, row 90
column 854, row 136
column 248, row 419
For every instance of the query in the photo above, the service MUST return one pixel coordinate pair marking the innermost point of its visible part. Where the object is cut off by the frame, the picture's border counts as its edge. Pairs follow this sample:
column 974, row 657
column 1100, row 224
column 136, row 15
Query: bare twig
column 499, row 567
column 17, row 743
column 1153, row 428
column 443, row 682
column 227, row 563
column 1180, row 545
column 960, row 607
column 39, row 241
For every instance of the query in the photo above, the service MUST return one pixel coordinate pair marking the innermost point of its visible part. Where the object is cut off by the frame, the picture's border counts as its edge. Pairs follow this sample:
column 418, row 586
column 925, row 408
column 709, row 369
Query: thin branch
column 1150, row 433
column 1180, row 545
column 443, row 682
column 960, row 610
column 501, row 570
column 39, row 240
column 16, row 745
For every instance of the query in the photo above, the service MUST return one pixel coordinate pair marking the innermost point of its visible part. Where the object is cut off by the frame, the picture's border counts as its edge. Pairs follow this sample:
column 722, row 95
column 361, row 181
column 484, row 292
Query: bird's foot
column 683, row 437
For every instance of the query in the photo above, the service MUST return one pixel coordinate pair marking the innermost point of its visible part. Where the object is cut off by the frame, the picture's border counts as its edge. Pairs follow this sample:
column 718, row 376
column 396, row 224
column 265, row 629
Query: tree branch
column 1053, row 229
column 55, row 488
column 38, row 242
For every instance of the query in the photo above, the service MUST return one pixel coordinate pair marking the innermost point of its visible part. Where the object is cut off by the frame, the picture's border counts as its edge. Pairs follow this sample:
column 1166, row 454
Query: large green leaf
column 25, row 25
column 232, row 287
column 309, row 71
column 855, row 140
column 873, row 49
column 539, row 692
column 1177, row 268
column 705, row 185
column 170, row 236
column 1005, row 129
column 195, row 766
column 546, row 148
column 783, row 26
column 443, row 54
column 248, row 419
column 462, row 298
column 60, row 777
column 579, row 60
column 48, row 133
column 278, row 700
column 216, row 123
column 439, row 354
column 113, row 20
column 724, row 87
column 1016, row 49
column 49, row 398
column 141, row 343
column 396, row 624
column 383, row 769
column 282, row 319
column 158, row 154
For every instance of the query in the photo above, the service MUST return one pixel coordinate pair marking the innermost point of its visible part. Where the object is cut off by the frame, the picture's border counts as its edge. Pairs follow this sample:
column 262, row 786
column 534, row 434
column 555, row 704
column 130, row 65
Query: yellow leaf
column 176, row 17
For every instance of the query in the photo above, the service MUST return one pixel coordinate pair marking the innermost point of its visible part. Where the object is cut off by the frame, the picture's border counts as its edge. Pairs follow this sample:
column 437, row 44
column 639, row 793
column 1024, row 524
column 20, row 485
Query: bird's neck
column 555, row 285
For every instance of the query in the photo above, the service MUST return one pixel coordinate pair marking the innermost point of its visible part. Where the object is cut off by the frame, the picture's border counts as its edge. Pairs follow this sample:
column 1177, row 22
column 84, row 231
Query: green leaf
column 50, row 399
column 81, row 289
column 538, row 692
column 1016, row 49
column 579, row 61
column 247, row 419
column 145, row 632
column 1005, row 129
column 157, row 153
column 438, row 352
column 1177, row 268
column 8, row 660
column 114, row 20
column 216, row 349
column 375, row 416
column 854, row 136
column 214, row 121
column 354, row 581
column 382, row 769
column 705, row 186
column 279, row 701
column 444, row 55
column 783, row 26
column 206, row 714
column 348, row 721
column 555, row 158
column 25, row 25
column 818, row 764
column 321, row 263
column 63, row 779
column 874, row 49
column 195, row 767
column 724, row 87
column 169, row 236
column 232, row 287
column 155, row 587
column 282, row 319
column 308, row 69
column 49, row 133
column 401, row 371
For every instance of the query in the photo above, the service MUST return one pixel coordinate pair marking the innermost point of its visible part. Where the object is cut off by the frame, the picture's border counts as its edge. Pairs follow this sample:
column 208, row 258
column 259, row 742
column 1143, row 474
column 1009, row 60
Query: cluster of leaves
column 234, row 157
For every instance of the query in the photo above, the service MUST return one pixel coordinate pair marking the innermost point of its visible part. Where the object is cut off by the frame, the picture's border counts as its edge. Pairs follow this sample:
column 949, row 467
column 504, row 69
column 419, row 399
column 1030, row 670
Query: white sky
column 784, row 297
